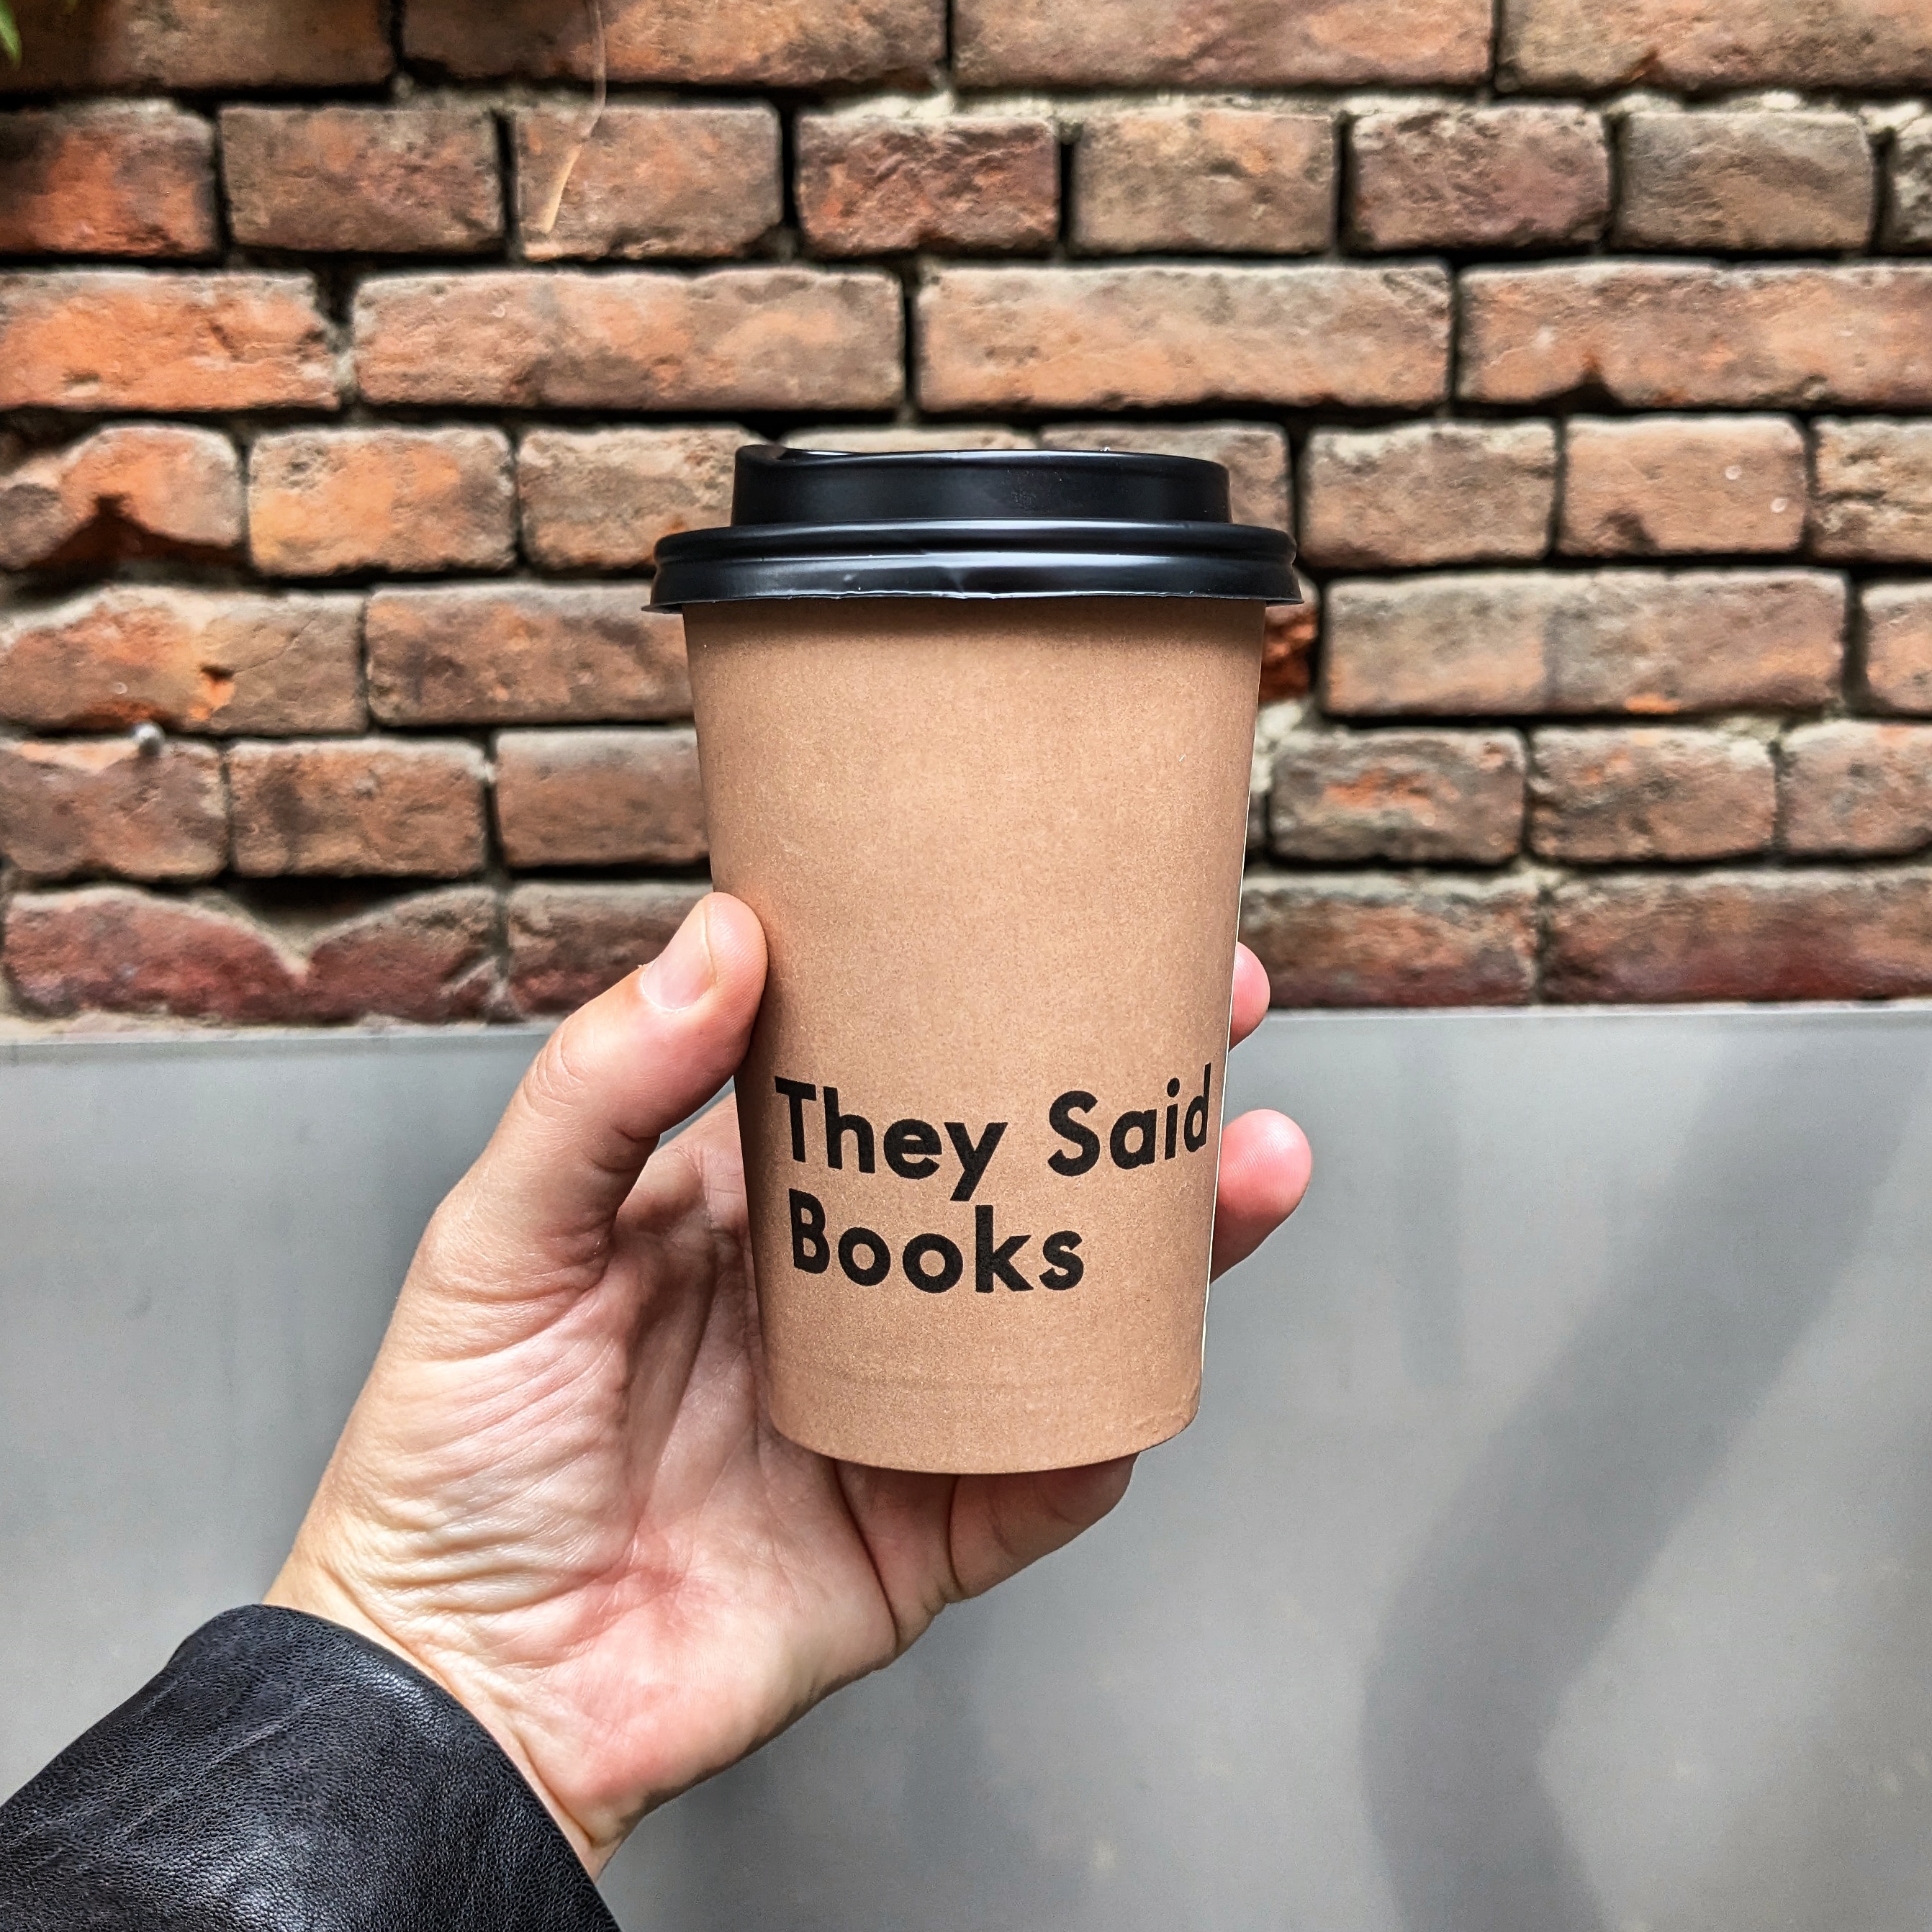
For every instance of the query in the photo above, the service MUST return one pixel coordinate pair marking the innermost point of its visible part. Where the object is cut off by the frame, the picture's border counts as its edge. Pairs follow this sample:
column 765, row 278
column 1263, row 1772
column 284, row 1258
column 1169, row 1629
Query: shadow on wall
column 1578, row 1492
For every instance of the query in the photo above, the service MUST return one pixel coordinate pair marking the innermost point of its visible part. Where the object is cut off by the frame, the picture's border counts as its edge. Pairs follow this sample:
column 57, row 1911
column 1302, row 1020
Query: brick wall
column 350, row 375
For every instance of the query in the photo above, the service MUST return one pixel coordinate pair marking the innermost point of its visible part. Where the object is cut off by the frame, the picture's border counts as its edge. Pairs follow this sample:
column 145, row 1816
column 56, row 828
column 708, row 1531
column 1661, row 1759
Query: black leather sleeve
column 282, row 1773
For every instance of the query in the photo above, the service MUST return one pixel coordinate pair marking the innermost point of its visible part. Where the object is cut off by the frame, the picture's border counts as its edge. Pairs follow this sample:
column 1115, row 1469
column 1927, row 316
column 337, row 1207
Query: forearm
column 283, row 1772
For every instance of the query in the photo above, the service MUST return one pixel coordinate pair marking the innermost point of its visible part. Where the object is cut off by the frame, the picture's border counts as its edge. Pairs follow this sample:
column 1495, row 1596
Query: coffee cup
column 975, row 730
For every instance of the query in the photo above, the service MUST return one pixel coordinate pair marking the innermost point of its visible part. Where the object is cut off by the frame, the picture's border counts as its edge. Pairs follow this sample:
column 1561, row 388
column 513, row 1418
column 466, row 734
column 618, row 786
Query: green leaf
column 10, row 34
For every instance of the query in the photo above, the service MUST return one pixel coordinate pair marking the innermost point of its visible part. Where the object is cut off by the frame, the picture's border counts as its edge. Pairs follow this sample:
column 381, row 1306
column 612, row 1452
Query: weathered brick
column 1288, row 634
column 1854, row 790
column 76, row 806
column 1254, row 454
column 600, row 499
column 1774, row 935
column 1874, row 492
column 883, row 439
column 1803, row 183
column 428, row 956
column 635, row 339
column 1657, row 642
column 1370, row 940
column 567, row 942
column 522, row 654
column 970, row 184
column 127, row 339
column 1697, row 47
column 1219, row 43
column 646, row 182
column 1479, row 178
column 1152, row 338
column 1897, row 622
column 727, row 43
column 197, row 45
column 1428, row 493
column 1663, row 335
column 417, row 179
column 107, row 179
column 1411, row 796
column 1649, row 793
column 358, row 808
column 1908, row 214
column 600, row 798
column 1251, row 180
column 197, row 661
column 134, row 489
column 1661, row 486
column 324, row 501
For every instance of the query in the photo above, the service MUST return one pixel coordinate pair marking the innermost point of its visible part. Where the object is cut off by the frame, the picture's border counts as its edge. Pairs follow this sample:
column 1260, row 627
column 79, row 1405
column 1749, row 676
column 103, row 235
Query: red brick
column 217, row 661
column 74, row 806
column 358, row 808
column 1288, row 635
column 1495, row 644
column 1414, row 796
column 1650, row 793
column 1479, row 178
column 1897, row 621
column 600, row 499
column 107, row 180
column 754, row 43
column 426, row 956
column 635, row 339
column 1251, row 180
column 1692, row 45
column 968, row 185
column 567, row 942
column 646, row 182
column 475, row 654
column 1370, row 940
column 1762, row 183
column 415, row 180
column 115, row 45
column 1254, row 454
column 1219, row 43
column 135, row 489
column 1428, row 493
column 1665, row 335
column 600, row 798
column 324, row 501
column 127, row 339
column 1662, row 486
column 1874, row 492
column 1789, row 935
column 1854, row 790
column 1908, row 216
column 1154, row 337
column 877, row 438
column 108, row 948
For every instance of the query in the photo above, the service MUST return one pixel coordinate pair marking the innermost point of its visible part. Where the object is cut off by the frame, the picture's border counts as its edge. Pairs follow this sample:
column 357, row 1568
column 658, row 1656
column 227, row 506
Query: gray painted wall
column 1553, row 1554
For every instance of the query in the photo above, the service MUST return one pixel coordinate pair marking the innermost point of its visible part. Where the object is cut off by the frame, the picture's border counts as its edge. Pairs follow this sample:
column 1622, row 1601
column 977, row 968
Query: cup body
column 996, row 845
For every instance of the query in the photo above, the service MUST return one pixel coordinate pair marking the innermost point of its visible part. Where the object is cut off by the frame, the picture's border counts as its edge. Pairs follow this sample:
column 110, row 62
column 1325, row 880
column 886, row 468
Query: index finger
column 1251, row 996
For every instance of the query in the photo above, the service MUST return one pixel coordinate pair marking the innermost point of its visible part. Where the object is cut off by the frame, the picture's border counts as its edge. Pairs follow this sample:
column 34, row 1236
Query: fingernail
column 683, row 973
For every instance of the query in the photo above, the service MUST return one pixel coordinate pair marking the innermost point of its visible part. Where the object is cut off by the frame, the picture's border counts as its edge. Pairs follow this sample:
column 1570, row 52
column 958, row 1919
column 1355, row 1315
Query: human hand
column 559, row 1494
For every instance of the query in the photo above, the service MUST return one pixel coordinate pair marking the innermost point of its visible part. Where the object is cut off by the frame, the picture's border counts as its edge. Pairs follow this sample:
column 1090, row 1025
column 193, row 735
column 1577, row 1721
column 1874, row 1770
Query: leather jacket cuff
column 283, row 1772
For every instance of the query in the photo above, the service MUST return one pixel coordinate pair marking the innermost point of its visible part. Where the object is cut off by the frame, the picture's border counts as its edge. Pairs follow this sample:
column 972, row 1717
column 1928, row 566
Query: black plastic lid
column 974, row 522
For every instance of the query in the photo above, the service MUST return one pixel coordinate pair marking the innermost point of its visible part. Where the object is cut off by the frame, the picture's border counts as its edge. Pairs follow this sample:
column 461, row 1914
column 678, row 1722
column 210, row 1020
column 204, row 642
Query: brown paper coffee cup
column 996, row 844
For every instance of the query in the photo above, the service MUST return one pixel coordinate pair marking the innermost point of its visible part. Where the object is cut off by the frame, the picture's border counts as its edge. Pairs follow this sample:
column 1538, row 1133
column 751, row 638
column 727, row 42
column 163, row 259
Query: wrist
column 317, row 1590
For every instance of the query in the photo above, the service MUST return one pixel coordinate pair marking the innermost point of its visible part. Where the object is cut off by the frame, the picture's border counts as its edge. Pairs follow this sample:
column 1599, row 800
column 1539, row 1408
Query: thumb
column 534, row 1214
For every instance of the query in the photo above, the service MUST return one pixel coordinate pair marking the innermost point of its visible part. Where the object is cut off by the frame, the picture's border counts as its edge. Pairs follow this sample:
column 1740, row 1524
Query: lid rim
column 1023, row 528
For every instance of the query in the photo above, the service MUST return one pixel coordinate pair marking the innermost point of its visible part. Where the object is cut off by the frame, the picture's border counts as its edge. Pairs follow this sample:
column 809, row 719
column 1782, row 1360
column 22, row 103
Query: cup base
column 967, row 1431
